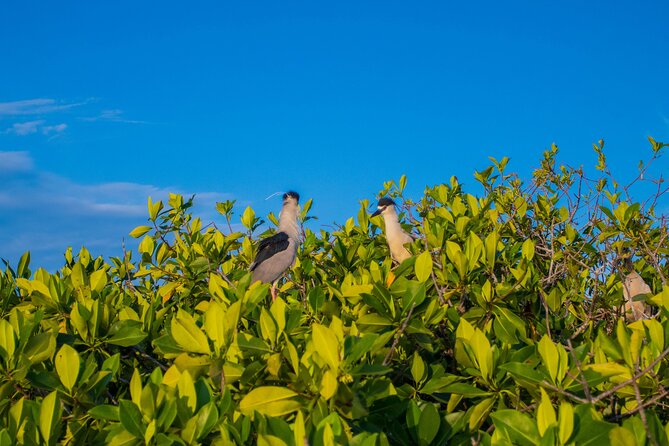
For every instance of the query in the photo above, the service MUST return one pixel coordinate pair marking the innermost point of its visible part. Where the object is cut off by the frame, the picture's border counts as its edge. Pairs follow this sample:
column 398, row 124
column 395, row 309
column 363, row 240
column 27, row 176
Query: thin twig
column 617, row 387
column 581, row 376
column 642, row 411
column 399, row 335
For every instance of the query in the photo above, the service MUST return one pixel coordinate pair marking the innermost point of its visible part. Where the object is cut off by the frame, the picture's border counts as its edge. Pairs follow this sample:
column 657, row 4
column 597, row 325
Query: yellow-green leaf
column 268, row 327
column 67, row 366
column 98, row 280
column 299, row 431
column 545, row 413
column 7, row 340
column 328, row 385
column 139, row 231
column 566, row 422
column 549, row 356
column 248, row 217
column 528, row 249
column 187, row 390
column 418, row 371
column 188, row 335
column 136, row 388
column 269, row 400
column 326, row 344
column 423, row 266
column 49, row 417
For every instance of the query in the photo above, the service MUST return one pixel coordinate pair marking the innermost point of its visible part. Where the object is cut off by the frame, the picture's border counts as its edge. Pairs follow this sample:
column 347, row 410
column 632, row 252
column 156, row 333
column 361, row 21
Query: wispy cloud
column 114, row 115
column 50, row 212
column 18, row 161
column 44, row 111
column 32, row 127
column 25, row 128
column 54, row 129
column 39, row 106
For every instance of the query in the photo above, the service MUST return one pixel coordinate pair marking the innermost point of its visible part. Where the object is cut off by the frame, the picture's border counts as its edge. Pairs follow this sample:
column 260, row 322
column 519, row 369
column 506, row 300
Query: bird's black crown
column 385, row 201
column 291, row 194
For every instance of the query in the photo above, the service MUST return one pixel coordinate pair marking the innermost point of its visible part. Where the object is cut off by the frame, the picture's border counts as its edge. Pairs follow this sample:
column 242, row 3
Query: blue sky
column 105, row 103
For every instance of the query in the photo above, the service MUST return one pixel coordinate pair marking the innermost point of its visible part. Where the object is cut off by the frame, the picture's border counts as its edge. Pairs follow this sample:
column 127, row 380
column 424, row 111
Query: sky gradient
column 103, row 104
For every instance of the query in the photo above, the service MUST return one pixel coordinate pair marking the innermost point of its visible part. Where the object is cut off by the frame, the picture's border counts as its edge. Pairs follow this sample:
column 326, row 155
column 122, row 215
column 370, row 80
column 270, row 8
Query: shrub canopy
column 506, row 326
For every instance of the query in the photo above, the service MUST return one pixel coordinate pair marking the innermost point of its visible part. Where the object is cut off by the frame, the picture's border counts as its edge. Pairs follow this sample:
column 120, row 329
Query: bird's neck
column 392, row 222
column 288, row 222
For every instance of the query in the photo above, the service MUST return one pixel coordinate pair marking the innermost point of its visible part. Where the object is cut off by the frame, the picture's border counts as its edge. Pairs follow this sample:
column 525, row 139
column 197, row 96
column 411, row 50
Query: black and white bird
column 395, row 235
column 277, row 253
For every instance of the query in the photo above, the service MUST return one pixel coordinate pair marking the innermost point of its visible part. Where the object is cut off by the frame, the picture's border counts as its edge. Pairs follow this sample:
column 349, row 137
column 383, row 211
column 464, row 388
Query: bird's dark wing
column 270, row 246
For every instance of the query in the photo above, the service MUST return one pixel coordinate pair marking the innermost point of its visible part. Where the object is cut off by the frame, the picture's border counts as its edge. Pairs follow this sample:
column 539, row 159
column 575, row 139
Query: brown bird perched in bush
column 277, row 253
column 634, row 285
column 395, row 235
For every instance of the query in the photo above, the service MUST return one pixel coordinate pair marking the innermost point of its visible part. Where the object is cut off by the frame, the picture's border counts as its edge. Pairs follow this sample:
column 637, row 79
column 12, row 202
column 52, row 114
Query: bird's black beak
column 378, row 211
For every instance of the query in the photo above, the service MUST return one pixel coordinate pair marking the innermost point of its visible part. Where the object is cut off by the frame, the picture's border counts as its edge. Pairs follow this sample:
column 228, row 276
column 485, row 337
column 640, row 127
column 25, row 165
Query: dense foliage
column 505, row 327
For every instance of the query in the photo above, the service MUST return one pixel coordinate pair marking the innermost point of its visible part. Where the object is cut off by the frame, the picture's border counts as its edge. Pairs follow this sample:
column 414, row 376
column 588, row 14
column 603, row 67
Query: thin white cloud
column 25, row 128
column 32, row 127
column 51, row 212
column 54, row 129
column 17, row 161
column 114, row 115
column 37, row 106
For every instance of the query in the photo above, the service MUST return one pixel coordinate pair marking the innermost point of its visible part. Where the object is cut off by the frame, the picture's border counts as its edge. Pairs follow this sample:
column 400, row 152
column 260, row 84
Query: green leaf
column 121, row 438
column 480, row 413
column 105, row 412
column 248, row 217
column 423, row 266
column 155, row 208
column 252, row 344
column 187, row 392
column 299, row 431
column 519, row 427
column 545, row 413
column 328, row 385
column 565, row 422
column 326, row 345
column 268, row 327
column 131, row 418
column 207, row 417
column 418, row 371
column 24, row 261
column 7, row 340
column 139, row 231
column 361, row 345
column 455, row 255
column 269, row 400
column 98, row 280
column 188, row 335
column 126, row 333
column 67, row 366
column 491, row 249
column 40, row 347
column 5, row 438
column 49, row 417
column 549, row 356
column 619, row 436
column 528, row 249
column 429, row 424
column 403, row 182
column 591, row 431
column 523, row 373
column 135, row 388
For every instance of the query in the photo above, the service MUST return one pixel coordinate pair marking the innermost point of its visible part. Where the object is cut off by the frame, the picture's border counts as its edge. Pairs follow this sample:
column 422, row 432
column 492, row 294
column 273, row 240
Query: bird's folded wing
column 270, row 246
